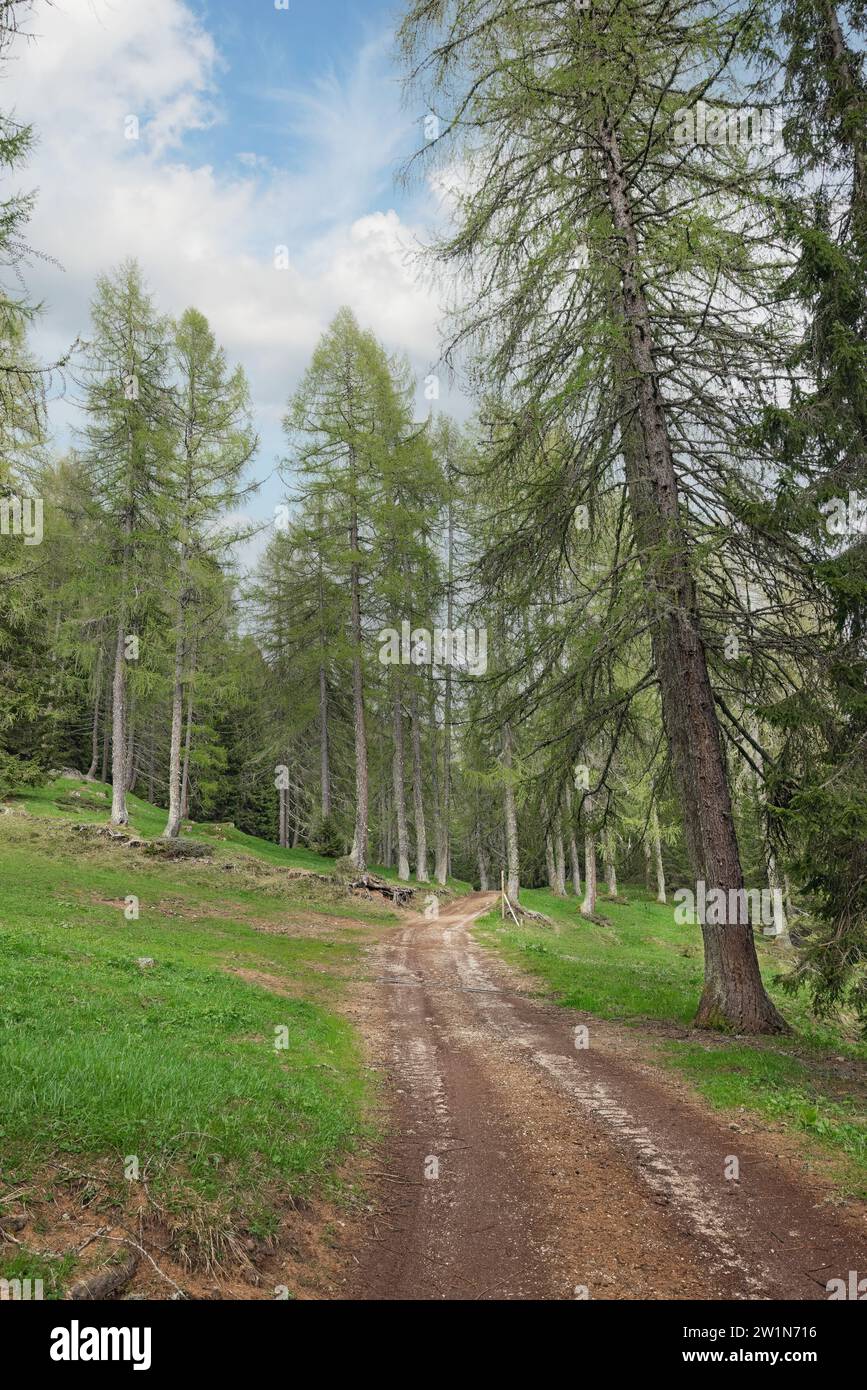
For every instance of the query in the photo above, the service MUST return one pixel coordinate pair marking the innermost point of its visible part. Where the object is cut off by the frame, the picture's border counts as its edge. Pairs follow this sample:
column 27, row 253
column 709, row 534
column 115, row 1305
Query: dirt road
column 520, row 1166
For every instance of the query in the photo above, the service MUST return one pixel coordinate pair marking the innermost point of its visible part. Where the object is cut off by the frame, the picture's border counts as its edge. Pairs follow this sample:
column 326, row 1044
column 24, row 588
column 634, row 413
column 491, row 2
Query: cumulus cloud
column 207, row 233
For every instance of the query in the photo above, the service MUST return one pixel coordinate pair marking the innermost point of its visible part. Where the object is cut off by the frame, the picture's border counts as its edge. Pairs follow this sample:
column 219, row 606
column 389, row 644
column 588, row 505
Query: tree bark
column 734, row 995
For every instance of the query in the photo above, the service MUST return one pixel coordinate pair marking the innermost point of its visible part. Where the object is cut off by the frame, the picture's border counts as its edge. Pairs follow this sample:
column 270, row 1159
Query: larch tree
column 595, row 244
column 214, row 443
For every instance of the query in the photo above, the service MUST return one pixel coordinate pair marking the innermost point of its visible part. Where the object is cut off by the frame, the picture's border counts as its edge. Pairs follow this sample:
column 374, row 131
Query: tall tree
column 594, row 242
column 128, row 444
column 214, row 443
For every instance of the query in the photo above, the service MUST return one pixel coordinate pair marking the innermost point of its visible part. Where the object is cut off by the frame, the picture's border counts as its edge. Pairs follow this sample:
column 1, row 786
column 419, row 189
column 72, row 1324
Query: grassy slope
column 174, row 1063
column 149, row 822
column 644, row 966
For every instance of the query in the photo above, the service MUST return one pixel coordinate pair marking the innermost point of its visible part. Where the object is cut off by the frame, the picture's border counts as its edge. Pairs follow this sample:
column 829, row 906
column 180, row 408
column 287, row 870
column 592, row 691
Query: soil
column 518, row 1165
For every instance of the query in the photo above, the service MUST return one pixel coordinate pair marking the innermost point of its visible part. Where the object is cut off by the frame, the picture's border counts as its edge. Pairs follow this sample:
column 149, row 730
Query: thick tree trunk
column 513, row 875
column 397, row 770
column 734, row 995
column 418, row 793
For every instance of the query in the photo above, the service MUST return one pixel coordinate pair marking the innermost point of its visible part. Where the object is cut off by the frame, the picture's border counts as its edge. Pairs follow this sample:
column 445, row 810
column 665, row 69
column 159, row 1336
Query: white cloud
column 205, row 235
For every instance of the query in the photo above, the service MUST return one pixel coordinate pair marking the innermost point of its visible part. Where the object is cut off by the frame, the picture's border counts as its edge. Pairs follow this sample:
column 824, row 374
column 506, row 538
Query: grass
column 643, row 966
column 173, row 1063
column 59, row 799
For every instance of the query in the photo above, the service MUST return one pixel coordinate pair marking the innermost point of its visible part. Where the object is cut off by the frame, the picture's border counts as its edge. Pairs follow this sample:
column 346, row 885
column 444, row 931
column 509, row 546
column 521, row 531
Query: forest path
column 559, row 1170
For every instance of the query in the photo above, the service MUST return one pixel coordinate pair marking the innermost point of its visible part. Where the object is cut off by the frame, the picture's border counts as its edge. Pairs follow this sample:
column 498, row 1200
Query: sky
column 199, row 136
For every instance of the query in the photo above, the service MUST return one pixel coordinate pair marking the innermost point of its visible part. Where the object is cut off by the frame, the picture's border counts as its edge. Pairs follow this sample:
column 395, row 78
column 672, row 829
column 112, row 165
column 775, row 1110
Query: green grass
column 643, row 966
column 174, row 1063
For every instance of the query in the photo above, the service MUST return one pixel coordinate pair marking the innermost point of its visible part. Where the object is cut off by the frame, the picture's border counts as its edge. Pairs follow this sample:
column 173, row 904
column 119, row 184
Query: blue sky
column 256, row 128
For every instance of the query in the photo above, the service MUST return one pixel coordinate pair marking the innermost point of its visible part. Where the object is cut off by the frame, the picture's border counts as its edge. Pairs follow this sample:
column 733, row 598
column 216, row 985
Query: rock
column 144, row 962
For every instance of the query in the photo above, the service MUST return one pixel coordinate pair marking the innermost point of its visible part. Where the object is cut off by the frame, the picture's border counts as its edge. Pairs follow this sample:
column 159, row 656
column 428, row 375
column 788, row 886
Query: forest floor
column 518, row 1165
column 427, row 1127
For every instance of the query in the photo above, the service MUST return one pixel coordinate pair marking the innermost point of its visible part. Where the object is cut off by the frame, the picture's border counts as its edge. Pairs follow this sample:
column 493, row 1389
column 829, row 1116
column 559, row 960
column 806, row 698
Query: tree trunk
column 483, row 865
column 550, row 867
column 588, row 906
column 513, row 878
column 151, row 762
column 573, row 847
column 734, row 995
column 188, row 743
column 575, row 863
column 324, row 769
column 444, row 846
column 610, row 867
column 418, row 792
column 397, row 770
column 106, row 733
column 94, row 736
column 559, row 861
column 657, row 856
column 173, row 824
column 359, row 843
column 780, row 928
column 119, row 813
